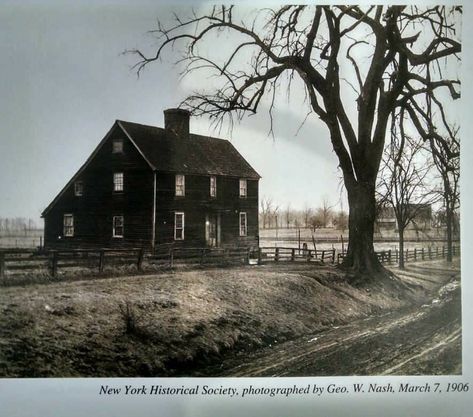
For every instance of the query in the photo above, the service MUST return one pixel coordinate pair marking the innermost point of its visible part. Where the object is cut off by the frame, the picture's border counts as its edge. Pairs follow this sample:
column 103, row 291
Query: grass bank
column 172, row 324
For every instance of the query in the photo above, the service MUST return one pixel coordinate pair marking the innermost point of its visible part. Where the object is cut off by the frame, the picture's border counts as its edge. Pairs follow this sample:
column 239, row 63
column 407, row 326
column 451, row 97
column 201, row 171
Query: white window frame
column 180, row 186
column 244, row 230
column 117, row 145
column 213, row 186
column 114, row 226
column 79, row 188
column 243, row 188
column 176, row 214
column 68, row 228
column 118, row 182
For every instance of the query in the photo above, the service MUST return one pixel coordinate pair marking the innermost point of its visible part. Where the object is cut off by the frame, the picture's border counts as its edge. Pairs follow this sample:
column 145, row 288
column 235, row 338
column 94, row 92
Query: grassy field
column 28, row 239
column 331, row 238
column 172, row 324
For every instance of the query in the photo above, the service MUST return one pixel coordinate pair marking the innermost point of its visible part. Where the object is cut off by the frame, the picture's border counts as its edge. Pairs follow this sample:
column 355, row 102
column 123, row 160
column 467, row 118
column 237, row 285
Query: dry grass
column 173, row 323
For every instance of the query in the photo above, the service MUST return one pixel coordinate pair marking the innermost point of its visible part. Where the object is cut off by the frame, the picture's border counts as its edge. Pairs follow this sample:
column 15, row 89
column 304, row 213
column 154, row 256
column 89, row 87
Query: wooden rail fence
column 410, row 255
column 22, row 260
column 28, row 261
column 277, row 254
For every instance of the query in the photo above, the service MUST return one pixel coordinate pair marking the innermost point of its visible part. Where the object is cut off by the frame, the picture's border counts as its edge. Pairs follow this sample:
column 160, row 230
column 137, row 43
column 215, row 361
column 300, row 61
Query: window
column 78, row 188
column 117, row 146
column 242, row 188
column 68, row 223
column 180, row 185
column 118, row 226
column 213, row 186
column 178, row 226
column 118, row 181
column 243, row 224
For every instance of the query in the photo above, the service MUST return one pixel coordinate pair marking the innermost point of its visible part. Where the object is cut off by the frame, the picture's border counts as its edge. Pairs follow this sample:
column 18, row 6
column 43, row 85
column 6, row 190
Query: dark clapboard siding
column 197, row 203
column 93, row 212
column 195, row 156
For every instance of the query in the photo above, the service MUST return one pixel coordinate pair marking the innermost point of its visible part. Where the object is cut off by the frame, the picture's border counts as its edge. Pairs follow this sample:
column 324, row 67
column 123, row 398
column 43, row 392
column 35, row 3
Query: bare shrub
column 129, row 316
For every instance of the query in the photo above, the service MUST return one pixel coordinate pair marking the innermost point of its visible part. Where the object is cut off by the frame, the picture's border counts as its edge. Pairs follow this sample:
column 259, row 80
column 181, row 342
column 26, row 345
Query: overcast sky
column 64, row 80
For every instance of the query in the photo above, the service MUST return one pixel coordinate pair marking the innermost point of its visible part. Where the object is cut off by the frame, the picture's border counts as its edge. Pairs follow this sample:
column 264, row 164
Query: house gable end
column 109, row 136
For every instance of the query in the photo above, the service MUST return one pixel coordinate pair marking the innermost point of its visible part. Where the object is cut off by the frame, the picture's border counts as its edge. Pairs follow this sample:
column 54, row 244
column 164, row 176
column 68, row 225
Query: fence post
column 436, row 252
column 309, row 255
column 396, row 256
column 2, row 264
column 430, row 252
column 248, row 255
column 259, row 256
column 101, row 260
column 443, row 251
column 293, row 254
column 54, row 263
column 202, row 255
column 333, row 255
column 389, row 256
column 415, row 254
column 171, row 257
column 276, row 254
column 423, row 254
column 139, row 262
column 406, row 258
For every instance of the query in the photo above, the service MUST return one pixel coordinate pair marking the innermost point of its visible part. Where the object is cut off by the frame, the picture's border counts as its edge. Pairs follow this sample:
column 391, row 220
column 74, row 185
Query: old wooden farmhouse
column 145, row 186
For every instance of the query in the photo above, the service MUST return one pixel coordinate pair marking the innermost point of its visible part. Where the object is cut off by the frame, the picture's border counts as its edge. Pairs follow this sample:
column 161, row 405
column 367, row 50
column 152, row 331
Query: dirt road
column 420, row 340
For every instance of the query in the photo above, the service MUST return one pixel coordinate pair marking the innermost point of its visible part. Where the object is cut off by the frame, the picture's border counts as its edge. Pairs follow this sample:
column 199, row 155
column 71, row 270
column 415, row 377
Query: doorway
column 212, row 230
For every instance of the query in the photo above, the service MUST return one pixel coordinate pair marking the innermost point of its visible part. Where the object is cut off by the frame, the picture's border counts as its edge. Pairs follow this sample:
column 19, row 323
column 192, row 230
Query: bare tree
column 275, row 216
column 390, row 50
column 325, row 212
column 306, row 214
column 447, row 162
column 404, row 184
column 265, row 211
column 316, row 221
column 340, row 221
column 288, row 215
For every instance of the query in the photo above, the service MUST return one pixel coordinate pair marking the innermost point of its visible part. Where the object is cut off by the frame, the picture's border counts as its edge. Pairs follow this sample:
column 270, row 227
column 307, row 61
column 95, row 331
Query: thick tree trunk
column 401, row 248
column 449, row 215
column 361, row 257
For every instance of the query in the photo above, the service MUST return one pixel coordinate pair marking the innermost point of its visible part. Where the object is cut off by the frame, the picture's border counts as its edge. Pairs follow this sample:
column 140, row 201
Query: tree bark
column 401, row 247
column 449, row 218
column 361, row 257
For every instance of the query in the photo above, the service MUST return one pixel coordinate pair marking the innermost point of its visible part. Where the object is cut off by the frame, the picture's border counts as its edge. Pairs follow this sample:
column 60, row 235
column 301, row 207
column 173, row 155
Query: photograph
column 255, row 190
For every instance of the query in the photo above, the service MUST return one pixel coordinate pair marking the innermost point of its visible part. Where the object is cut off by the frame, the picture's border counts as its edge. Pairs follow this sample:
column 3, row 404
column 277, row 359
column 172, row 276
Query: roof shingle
column 199, row 155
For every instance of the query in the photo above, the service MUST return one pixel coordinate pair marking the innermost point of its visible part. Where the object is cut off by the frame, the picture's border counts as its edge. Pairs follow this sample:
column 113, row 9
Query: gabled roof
column 199, row 155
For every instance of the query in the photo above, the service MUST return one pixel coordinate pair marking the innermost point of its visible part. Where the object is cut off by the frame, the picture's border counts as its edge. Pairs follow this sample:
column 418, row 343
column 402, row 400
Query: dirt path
column 421, row 340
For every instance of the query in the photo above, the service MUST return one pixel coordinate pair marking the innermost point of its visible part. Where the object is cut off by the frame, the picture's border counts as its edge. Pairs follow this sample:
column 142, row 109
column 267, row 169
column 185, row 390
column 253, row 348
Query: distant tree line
column 273, row 215
column 9, row 225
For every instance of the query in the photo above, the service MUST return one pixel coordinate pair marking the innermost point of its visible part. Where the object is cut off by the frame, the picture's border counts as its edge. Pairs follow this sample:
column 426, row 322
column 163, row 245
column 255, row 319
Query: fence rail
column 410, row 255
column 95, row 260
column 293, row 254
column 24, row 261
column 53, row 260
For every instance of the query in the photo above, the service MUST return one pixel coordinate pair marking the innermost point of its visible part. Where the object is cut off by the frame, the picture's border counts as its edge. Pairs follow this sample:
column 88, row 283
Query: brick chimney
column 176, row 123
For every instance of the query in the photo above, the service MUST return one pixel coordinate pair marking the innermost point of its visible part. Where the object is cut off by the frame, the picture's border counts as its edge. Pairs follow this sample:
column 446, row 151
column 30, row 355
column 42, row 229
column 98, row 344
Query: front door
column 211, row 230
